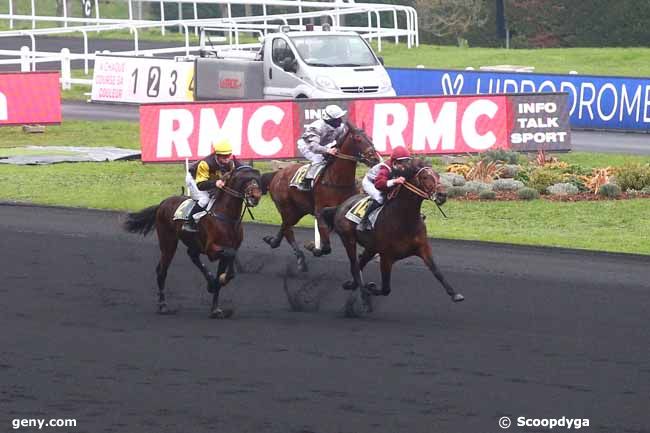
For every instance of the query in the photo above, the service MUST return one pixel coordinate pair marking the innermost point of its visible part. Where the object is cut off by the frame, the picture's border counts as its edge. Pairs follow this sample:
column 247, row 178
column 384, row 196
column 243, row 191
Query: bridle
column 420, row 192
column 363, row 156
column 244, row 196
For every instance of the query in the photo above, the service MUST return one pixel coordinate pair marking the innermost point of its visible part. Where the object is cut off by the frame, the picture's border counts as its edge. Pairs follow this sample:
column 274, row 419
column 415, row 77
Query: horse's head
column 246, row 181
column 426, row 179
column 355, row 142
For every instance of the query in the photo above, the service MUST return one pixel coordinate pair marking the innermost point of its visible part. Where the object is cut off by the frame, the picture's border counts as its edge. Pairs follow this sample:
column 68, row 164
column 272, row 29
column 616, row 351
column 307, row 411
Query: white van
column 305, row 64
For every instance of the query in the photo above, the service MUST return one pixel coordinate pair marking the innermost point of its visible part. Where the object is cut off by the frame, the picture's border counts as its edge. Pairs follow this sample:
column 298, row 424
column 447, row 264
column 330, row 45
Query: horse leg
column 427, row 256
column 300, row 256
column 216, row 312
column 386, row 266
column 274, row 241
column 364, row 258
column 213, row 284
column 324, row 231
column 167, row 243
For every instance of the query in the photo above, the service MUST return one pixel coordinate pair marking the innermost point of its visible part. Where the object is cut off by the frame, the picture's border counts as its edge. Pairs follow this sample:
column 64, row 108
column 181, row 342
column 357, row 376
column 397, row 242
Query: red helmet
column 400, row 153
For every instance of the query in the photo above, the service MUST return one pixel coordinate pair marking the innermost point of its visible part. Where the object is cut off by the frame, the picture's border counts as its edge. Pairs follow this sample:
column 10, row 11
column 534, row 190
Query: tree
column 451, row 17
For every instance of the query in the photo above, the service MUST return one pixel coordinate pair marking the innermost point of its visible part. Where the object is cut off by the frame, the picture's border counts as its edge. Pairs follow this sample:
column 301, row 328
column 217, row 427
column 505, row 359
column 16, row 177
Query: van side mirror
column 381, row 59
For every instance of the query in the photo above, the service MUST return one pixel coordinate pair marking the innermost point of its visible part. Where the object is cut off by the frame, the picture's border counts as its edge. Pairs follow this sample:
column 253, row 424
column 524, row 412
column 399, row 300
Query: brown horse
column 219, row 236
column 334, row 186
column 399, row 233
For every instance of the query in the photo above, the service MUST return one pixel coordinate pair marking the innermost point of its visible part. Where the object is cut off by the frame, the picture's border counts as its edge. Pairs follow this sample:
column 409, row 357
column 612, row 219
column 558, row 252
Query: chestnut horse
column 337, row 183
column 399, row 233
column 219, row 236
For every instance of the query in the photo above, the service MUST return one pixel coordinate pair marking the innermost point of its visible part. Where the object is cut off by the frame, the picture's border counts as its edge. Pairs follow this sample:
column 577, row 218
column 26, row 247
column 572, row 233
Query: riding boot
column 374, row 204
column 190, row 224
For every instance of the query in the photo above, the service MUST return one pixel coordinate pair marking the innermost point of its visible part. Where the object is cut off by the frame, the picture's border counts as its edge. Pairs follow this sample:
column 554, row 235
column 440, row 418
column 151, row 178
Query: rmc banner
column 426, row 125
column 597, row 102
column 29, row 97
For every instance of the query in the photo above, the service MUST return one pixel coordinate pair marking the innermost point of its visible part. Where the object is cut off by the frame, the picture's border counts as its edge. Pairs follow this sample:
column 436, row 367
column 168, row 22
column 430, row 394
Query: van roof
column 320, row 33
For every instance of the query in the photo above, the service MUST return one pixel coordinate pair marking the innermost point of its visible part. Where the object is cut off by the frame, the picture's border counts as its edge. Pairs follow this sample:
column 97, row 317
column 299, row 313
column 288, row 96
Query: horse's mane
column 243, row 174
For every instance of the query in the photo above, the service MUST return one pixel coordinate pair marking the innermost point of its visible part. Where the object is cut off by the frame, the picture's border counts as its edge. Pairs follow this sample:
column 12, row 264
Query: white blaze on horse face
column 168, row 137
column 264, row 114
column 476, row 109
column 426, row 130
column 3, row 107
column 393, row 133
column 210, row 131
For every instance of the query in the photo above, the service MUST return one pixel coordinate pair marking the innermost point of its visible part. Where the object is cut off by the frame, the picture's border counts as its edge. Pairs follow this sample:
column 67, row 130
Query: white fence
column 230, row 26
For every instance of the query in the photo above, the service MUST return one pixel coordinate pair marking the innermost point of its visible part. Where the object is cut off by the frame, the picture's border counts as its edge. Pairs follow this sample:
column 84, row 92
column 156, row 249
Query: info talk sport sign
column 426, row 125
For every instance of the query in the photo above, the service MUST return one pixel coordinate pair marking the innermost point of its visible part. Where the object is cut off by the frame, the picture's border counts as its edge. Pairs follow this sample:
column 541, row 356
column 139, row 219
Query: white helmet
column 333, row 112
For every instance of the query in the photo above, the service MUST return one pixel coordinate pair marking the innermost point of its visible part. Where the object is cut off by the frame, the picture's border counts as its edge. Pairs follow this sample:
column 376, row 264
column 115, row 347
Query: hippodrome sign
column 29, row 97
column 601, row 102
column 434, row 125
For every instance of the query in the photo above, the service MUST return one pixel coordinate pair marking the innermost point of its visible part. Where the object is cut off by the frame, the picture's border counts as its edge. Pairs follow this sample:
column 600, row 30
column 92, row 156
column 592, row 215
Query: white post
column 65, row 14
column 162, row 17
column 11, row 13
column 65, row 69
column 180, row 15
column 196, row 17
column 33, row 15
column 316, row 235
column 24, row 59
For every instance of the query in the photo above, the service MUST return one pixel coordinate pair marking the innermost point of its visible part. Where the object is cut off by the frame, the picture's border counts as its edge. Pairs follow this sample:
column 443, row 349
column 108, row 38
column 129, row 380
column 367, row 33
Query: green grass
column 617, row 226
column 74, row 133
column 594, row 61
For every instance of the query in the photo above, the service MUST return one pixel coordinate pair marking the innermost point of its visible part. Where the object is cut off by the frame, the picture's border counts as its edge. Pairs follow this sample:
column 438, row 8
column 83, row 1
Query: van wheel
column 301, row 96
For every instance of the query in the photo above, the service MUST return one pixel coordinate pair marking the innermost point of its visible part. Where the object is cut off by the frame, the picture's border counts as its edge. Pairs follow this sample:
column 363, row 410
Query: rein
column 417, row 191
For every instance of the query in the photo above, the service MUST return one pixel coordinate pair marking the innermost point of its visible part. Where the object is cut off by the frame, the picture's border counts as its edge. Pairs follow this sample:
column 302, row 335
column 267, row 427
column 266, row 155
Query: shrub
column 510, row 171
column 487, row 195
column 452, row 179
column 477, row 187
column 646, row 190
column 507, row 185
column 562, row 189
column 484, row 171
column 542, row 178
column 457, row 191
column 528, row 194
column 609, row 190
column 633, row 176
column 506, row 156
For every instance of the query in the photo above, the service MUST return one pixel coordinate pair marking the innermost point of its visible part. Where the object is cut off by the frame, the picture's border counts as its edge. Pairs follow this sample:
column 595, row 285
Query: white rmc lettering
column 383, row 132
column 476, row 109
column 426, row 130
column 267, row 113
column 3, row 107
column 168, row 137
column 211, row 132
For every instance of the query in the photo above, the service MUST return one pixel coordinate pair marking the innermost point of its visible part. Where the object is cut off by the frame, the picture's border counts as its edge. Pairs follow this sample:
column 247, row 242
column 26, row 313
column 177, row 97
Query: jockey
column 205, row 176
column 383, row 176
column 320, row 138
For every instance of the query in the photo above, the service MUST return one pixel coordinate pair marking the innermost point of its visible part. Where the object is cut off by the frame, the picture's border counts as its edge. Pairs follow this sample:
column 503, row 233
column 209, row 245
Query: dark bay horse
column 336, row 184
column 399, row 233
column 219, row 236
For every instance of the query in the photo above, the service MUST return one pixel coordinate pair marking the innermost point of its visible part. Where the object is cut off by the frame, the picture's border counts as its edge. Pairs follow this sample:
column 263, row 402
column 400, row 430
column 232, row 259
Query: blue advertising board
column 595, row 102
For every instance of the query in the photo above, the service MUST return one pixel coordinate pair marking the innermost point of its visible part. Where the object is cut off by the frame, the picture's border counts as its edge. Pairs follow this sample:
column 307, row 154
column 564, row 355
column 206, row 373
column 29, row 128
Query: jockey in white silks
column 320, row 137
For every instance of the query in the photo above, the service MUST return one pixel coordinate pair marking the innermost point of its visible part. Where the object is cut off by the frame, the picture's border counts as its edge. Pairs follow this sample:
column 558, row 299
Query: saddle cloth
column 298, row 179
column 358, row 210
column 183, row 210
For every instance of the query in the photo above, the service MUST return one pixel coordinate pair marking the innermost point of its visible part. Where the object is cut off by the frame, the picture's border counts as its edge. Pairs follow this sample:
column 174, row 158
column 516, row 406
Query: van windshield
column 334, row 50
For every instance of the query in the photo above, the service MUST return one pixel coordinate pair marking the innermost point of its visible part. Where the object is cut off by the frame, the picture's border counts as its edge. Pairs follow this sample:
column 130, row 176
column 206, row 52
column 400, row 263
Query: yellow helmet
column 222, row 147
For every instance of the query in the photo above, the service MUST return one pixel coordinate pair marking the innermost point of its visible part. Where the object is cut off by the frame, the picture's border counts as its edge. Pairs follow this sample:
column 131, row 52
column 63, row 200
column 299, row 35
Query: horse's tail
column 141, row 222
column 266, row 180
column 328, row 214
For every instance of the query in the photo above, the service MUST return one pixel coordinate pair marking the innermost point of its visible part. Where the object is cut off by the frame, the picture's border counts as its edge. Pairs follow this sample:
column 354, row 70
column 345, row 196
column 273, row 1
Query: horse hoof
column 349, row 285
column 458, row 297
column 371, row 289
column 164, row 310
column 271, row 241
column 218, row 313
column 302, row 265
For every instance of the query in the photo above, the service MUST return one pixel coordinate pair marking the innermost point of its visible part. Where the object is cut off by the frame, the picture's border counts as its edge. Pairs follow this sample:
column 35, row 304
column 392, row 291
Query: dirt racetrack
column 542, row 334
